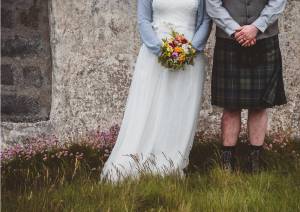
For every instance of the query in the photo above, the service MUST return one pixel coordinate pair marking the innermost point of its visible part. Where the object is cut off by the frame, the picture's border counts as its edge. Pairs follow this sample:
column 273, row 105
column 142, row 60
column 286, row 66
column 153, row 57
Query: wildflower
column 178, row 49
column 175, row 54
column 182, row 57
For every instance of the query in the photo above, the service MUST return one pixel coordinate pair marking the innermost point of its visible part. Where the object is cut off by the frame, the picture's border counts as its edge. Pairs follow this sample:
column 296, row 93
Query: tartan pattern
column 247, row 78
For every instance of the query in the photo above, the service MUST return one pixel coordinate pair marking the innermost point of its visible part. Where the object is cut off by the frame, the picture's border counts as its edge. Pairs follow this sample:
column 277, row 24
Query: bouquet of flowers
column 176, row 52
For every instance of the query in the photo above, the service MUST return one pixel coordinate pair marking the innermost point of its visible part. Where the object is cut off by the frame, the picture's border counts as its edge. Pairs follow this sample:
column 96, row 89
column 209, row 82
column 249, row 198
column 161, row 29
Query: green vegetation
column 72, row 185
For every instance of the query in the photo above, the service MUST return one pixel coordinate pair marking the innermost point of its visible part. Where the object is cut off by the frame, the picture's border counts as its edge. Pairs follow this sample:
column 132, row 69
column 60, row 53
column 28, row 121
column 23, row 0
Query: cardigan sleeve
column 148, row 35
column 203, row 28
column 269, row 14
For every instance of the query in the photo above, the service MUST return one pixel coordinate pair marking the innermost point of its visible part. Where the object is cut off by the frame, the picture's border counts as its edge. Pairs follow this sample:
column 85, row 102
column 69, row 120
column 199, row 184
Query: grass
column 205, row 188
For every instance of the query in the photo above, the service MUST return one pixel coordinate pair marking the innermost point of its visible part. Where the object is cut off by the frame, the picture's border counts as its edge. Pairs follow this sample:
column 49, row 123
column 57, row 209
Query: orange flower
column 178, row 49
column 182, row 58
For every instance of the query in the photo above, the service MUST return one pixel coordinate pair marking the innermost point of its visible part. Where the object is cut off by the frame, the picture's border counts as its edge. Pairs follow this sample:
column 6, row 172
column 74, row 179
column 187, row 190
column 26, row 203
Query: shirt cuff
column 231, row 28
column 260, row 25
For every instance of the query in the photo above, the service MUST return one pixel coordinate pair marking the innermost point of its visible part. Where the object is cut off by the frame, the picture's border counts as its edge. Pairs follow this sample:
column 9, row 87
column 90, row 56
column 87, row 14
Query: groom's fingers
column 246, row 43
column 239, row 35
column 249, row 43
column 253, row 42
column 240, row 39
column 239, row 29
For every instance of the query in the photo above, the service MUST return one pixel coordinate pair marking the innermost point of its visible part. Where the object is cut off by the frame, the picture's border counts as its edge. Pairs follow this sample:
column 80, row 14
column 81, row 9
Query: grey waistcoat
column 246, row 12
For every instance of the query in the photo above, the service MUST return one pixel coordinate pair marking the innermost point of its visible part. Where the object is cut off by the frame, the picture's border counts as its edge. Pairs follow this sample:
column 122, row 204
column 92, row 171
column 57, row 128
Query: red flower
column 172, row 44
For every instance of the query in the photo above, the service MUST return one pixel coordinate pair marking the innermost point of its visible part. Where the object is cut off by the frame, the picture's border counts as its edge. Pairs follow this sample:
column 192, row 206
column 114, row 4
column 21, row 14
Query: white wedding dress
column 162, row 108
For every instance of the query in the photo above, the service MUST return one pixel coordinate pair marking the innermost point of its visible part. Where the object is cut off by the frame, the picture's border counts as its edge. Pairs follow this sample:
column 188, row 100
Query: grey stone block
column 32, row 76
column 19, row 105
column 19, row 46
column 7, row 77
column 7, row 18
column 30, row 18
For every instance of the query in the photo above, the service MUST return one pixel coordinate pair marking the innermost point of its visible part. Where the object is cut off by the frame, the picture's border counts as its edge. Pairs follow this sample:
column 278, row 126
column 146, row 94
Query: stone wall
column 26, row 61
column 94, row 47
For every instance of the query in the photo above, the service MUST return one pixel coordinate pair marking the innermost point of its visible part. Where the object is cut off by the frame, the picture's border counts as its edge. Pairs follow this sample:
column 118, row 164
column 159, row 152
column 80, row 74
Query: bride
column 162, row 108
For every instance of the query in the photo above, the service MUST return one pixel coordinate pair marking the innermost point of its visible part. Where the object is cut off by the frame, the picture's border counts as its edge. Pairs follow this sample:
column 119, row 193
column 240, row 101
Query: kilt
column 247, row 77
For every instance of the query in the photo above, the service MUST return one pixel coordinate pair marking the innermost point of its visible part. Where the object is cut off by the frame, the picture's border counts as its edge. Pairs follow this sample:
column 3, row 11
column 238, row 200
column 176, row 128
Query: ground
column 74, row 186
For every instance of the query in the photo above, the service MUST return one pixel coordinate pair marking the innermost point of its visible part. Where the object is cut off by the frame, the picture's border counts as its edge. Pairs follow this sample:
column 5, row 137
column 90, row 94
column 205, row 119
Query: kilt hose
column 247, row 77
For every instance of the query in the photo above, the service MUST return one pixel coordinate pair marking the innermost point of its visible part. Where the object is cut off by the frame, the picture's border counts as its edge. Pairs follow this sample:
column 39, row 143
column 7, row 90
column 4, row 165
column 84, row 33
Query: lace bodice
column 179, row 14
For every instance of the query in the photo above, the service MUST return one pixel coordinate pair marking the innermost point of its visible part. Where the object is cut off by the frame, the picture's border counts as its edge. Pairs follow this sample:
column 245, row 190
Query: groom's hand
column 249, row 43
column 246, row 35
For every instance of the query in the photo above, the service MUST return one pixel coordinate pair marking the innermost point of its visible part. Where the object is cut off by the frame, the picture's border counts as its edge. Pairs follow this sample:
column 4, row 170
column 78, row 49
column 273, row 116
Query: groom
column 247, row 70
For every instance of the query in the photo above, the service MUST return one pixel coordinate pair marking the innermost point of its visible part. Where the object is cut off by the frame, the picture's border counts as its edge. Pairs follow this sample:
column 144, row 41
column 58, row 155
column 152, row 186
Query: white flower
column 185, row 47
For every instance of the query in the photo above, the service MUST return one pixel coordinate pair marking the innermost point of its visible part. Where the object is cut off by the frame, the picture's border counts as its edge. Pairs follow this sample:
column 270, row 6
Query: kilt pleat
column 246, row 78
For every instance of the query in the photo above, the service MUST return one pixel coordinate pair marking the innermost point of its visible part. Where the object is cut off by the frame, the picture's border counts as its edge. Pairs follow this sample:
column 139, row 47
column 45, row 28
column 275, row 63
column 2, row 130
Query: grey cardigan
column 149, row 37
